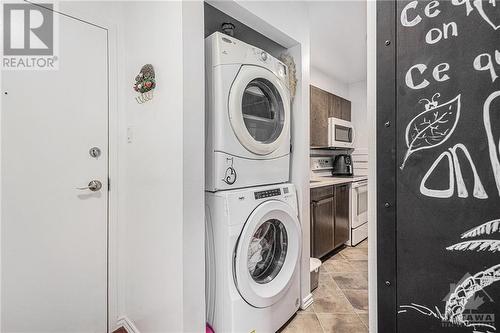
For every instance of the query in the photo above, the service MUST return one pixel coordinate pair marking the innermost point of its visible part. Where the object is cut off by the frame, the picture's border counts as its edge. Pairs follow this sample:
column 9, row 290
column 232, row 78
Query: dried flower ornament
column 287, row 59
column 145, row 84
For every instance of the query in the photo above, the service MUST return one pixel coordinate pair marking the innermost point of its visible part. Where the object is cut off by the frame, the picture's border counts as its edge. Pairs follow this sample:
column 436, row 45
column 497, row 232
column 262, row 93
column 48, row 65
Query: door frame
column 386, row 116
column 114, row 134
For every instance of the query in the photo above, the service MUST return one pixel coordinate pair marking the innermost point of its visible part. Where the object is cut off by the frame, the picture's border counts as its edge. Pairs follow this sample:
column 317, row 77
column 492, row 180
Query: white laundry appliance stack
column 253, row 238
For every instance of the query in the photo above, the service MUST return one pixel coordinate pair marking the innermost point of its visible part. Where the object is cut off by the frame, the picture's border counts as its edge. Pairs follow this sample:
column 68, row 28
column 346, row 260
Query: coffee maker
column 342, row 166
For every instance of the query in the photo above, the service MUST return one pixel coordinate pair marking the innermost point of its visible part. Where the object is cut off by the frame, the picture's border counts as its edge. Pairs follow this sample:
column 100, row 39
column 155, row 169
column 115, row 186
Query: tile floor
column 341, row 299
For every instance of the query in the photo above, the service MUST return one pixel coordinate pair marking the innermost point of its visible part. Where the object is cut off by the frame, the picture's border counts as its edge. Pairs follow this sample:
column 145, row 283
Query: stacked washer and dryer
column 253, row 235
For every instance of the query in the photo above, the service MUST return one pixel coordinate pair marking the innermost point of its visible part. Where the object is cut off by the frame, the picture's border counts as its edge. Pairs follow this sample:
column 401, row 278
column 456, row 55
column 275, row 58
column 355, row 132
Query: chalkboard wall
column 438, row 160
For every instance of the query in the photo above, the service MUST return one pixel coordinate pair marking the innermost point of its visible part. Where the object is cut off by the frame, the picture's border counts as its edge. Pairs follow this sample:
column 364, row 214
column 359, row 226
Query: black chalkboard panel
column 445, row 165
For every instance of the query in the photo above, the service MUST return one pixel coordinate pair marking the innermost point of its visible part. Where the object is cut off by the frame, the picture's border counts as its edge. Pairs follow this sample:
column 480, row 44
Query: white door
column 267, row 253
column 54, row 236
column 259, row 110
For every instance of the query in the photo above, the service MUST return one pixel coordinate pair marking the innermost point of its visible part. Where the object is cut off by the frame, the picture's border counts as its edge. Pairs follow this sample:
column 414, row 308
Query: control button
column 263, row 56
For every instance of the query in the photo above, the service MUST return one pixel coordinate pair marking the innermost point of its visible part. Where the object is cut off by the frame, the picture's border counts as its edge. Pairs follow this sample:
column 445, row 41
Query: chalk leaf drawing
column 491, row 245
column 487, row 17
column 487, row 228
column 464, row 292
column 492, row 146
column 433, row 126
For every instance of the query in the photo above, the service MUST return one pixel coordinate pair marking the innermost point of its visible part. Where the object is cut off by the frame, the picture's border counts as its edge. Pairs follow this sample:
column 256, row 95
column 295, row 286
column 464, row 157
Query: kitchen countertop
column 328, row 181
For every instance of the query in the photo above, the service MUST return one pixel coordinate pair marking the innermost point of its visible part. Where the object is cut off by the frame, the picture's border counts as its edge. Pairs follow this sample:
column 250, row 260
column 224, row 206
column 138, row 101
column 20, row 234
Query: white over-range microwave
column 340, row 133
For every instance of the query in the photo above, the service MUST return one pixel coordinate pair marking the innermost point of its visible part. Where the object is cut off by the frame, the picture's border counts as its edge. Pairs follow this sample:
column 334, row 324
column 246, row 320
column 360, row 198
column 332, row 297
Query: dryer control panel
column 267, row 193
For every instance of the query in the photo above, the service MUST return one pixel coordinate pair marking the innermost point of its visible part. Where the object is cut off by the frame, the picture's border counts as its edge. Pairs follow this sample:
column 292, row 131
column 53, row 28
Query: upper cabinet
column 324, row 105
column 319, row 109
column 345, row 109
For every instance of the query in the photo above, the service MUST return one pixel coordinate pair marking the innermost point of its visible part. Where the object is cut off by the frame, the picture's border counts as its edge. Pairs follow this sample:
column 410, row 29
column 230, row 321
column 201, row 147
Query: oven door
column 359, row 208
column 340, row 133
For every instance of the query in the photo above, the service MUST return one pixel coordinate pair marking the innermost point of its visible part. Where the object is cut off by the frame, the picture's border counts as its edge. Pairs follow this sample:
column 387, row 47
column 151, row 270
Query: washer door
column 259, row 110
column 267, row 253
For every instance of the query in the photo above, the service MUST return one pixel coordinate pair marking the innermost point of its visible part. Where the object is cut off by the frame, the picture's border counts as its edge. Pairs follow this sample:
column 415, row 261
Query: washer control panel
column 267, row 194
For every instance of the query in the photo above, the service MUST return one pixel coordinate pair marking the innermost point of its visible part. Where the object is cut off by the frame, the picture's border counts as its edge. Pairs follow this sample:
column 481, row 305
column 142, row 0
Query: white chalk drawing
column 478, row 190
column 480, row 9
column 433, row 126
column 447, row 193
column 464, row 292
column 455, row 172
column 478, row 4
column 487, row 228
column 457, row 302
column 492, row 146
column 487, row 62
column 490, row 245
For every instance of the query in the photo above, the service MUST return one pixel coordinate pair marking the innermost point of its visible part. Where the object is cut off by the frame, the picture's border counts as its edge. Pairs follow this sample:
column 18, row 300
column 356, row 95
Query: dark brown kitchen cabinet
column 341, row 214
column 329, row 218
column 334, row 106
column 324, row 105
column 322, row 221
column 319, row 117
column 345, row 109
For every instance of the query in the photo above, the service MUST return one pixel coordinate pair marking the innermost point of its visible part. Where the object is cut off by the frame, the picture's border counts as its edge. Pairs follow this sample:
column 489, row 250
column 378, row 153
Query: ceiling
column 338, row 39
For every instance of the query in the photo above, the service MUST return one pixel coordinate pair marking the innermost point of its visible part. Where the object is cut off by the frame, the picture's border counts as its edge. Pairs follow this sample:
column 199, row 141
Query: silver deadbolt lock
column 95, row 152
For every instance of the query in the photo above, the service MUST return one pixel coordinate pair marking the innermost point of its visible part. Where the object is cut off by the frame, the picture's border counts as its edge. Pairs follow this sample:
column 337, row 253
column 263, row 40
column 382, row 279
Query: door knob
column 94, row 186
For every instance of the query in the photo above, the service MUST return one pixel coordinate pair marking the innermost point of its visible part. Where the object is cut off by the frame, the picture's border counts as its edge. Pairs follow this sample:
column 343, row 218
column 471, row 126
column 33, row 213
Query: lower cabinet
column 322, row 221
column 329, row 218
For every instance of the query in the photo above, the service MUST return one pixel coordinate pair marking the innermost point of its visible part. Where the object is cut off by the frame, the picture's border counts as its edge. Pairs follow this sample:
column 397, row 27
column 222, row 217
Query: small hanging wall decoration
column 287, row 59
column 145, row 84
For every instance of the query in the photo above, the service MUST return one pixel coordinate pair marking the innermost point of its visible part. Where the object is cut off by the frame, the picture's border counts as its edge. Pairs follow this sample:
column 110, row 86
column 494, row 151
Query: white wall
column 157, row 190
column 193, row 221
column 163, row 243
column 328, row 83
column 151, row 224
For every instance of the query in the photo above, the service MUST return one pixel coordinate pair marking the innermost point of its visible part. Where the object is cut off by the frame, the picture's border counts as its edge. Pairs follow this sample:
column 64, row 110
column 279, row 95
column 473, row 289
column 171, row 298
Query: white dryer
column 253, row 248
column 248, row 115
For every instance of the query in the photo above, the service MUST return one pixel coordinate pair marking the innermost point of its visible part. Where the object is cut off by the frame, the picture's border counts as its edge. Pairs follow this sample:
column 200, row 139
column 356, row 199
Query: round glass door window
column 267, row 251
column 263, row 111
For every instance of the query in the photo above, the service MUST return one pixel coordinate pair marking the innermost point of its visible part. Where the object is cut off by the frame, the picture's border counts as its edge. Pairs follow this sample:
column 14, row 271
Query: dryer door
column 267, row 253
column 259, row 110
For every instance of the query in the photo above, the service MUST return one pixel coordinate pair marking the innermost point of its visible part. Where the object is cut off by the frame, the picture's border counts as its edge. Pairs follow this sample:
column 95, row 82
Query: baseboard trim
column 307, row 301
column 127, row 324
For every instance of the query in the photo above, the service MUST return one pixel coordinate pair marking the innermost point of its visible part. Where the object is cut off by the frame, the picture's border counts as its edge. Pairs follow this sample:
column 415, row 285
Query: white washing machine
column 248, row 115
column 253, row 247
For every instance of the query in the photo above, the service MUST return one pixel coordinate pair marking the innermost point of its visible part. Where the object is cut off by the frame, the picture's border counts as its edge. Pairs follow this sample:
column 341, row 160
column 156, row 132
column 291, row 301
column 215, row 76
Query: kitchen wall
column 357, row 96
column 328, row 83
